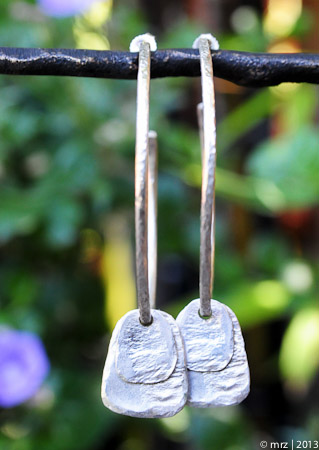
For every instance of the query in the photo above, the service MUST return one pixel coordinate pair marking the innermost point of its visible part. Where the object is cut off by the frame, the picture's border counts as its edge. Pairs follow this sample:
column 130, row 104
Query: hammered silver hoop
column 207, row 126
column 143, row 44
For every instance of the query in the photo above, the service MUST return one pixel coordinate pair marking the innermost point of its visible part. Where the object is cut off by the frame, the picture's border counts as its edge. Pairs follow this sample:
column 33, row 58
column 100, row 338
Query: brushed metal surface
column 163, row 399
column 226, row 387
column 209, row 343
column 207, row 127
column 145, row 354
column 152, row 216
column 141, row 185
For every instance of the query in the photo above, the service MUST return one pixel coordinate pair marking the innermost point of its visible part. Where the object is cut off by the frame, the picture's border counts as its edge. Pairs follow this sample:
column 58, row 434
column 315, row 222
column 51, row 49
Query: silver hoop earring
column 216, row 360
column 144, row 373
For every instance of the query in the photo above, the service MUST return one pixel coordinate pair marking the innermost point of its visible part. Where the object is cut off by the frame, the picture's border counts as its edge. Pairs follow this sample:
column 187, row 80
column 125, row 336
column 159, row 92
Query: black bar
column 245, row 69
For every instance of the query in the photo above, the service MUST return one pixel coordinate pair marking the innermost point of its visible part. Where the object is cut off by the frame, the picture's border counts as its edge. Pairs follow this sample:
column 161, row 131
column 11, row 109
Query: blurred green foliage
column 67, row 164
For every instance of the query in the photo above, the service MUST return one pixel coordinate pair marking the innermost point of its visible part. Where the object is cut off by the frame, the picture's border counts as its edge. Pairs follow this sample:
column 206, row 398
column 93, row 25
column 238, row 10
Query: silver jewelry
column 216, row 360
column 152, row 216
column 144, row 373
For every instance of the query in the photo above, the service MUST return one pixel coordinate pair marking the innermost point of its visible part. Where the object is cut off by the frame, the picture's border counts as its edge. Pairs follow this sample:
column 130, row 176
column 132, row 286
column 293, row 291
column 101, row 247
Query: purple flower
column 64, row 8
column 23, row 366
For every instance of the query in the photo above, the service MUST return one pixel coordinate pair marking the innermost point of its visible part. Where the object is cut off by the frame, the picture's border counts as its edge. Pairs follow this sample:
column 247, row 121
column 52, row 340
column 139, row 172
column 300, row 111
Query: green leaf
column 299, row 353
column 243, row 118
column 298, row 109
column 64, row 217
column 23, row 288
column 256, row 303
column 18, row 214
column 291, row 163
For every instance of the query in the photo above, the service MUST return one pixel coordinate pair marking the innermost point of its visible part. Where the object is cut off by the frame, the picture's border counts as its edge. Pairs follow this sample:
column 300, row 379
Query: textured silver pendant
column 216, row 361
column 144, row 373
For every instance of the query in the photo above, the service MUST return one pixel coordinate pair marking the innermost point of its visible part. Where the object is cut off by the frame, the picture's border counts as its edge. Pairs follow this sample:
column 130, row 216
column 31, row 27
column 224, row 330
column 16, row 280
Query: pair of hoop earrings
column 155, row 365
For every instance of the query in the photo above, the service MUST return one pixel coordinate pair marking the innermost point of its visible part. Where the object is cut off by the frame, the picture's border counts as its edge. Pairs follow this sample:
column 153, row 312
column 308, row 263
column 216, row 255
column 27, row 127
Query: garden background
column 67, row 221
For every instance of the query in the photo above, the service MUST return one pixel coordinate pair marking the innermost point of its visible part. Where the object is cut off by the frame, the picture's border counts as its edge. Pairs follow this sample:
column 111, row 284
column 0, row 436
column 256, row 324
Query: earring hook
column 143, row 44
column 207, row 126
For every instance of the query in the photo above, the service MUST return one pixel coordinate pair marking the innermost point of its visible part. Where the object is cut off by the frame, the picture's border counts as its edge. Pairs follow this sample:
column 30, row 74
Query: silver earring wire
column 143, row 44
column 200, row 120
column 207, row 125
column 152, row 217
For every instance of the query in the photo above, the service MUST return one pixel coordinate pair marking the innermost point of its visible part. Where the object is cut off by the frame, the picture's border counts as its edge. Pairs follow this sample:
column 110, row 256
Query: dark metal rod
column 245, row 69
